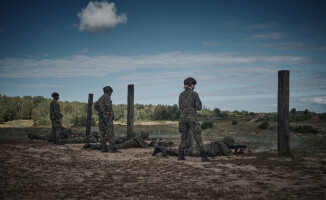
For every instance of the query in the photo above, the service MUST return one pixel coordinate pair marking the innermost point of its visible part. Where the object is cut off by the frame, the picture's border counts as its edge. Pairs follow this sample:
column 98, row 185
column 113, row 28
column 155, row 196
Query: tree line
column 75, row 113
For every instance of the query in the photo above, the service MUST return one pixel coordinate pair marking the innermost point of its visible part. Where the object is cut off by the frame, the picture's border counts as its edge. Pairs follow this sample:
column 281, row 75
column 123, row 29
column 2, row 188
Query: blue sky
column 233, row 48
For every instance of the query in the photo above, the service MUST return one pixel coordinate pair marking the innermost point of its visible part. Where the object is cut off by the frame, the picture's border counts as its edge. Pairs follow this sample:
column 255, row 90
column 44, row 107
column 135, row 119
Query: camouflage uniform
column 92, row 138
column 189, row 104
column 212, row 149
column 136, row 142
column 55, row 116
column 105, row 105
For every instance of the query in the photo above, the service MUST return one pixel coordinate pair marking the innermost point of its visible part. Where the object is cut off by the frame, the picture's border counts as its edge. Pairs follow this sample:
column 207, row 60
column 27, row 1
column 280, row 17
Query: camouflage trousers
column 82, row 139
column 192, row 152
column 127, row 144
column 186, row 124
column 108, row 132
column 56, row 130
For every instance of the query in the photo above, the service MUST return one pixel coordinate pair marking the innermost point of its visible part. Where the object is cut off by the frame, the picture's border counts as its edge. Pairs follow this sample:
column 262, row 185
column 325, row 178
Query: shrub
column 207, row 125
column 234, row 122
column 304, row 129
column 263, row 125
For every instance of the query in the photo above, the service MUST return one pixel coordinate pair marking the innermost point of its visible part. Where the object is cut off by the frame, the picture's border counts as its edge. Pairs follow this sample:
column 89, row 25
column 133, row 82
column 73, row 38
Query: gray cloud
column 100, row 17
column 293, row 45
column 99, row 66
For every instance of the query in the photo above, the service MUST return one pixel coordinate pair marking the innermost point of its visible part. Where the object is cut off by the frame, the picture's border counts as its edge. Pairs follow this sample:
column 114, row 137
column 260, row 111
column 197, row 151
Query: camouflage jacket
column 55, row 111
column 140, row 141
column 189, row 103
column 105, row 105
column 218, row 148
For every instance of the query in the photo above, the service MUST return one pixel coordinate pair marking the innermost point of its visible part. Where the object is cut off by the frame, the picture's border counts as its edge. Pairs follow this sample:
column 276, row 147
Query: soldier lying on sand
column 67, row 137
column 219, row 148
column 141, row 140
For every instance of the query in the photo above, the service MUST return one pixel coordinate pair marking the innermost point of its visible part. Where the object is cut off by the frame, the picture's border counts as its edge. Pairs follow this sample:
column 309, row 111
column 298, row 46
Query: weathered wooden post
column 283, row 124
column 130, row 110
column 89, row 114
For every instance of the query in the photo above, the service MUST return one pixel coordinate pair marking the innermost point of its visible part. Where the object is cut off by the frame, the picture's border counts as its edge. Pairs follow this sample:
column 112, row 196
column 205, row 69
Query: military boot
column 164, row 152
column 114, row 150
column 181, row 155
column 157, row 150
column 104, row 149
column 87, row 145
column 204, row 157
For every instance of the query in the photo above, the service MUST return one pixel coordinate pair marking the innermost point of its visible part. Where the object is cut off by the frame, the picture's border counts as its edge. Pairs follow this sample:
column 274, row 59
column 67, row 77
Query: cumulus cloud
column 267, row 36
column 100, row 17
column 79, row 65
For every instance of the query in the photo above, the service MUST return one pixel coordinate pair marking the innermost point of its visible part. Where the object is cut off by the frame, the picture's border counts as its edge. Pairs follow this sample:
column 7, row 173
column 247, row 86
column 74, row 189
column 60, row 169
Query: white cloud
column 94, row 66
column 100, row 17
column 268, row 36
column 319, row 100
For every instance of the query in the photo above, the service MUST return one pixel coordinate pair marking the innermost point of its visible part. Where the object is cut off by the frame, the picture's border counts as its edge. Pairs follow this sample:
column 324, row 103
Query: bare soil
column 39, row 170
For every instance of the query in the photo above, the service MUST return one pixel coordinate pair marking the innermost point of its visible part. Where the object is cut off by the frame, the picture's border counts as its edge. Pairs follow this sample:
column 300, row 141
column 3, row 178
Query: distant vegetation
column 37, row 109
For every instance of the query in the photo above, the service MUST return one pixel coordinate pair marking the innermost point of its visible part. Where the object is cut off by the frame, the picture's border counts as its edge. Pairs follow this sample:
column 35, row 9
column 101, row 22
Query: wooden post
column 89, row 114
column 130, row 110
column 283, row 124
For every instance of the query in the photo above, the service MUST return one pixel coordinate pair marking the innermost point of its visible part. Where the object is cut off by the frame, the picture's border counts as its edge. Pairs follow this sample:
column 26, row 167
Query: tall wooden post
column 283, row 124
column 130, row 110
column 89, row 114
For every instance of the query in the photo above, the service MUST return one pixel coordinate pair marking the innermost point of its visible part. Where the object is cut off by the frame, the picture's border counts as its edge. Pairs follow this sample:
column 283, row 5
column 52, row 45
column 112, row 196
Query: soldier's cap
column 54, row 94
column 228, row 140
column 144, row 135
column 190, row 81
column 107, row 89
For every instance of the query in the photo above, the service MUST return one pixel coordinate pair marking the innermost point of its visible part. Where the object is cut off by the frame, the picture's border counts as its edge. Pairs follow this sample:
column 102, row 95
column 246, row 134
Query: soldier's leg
column 192, row 152
column 110, row 134
column 57, row 131
column 127, row 144
column 196, row 130
column 183, row 129
column 199, row 141
column 172, row 151
column 53, row 133
column 103, row 131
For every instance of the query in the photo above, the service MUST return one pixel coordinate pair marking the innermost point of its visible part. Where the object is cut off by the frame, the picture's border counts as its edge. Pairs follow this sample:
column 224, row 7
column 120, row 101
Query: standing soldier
column 56, row 118
column 106, row 119
column 189, row 104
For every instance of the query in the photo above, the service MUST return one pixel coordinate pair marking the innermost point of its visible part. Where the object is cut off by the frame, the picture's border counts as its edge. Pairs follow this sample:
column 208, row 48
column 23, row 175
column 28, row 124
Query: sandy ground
column 38, row 170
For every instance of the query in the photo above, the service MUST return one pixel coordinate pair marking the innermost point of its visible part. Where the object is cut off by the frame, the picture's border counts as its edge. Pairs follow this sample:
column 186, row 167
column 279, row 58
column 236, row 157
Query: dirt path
column 36, row 169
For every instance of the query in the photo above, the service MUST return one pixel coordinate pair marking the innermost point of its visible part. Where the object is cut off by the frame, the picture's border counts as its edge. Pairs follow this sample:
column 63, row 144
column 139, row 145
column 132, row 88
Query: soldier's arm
column 224, row 149
column 57, row 111
column 198, row 104
column 103, row 104
column 141, row 142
